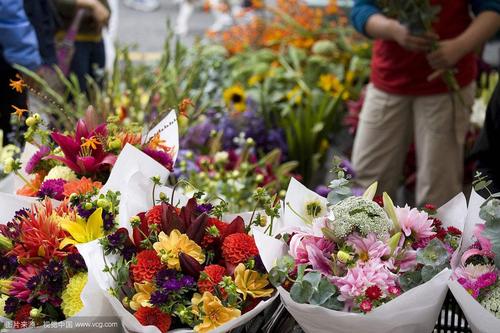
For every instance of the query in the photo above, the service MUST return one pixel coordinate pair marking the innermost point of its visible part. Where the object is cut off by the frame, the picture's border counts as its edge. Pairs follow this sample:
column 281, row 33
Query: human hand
column 402, row 36
column 447, row 55
column 100, row 13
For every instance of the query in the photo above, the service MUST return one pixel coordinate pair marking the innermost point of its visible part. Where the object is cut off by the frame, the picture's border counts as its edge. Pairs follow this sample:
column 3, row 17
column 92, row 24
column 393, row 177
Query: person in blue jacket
column 18, row 45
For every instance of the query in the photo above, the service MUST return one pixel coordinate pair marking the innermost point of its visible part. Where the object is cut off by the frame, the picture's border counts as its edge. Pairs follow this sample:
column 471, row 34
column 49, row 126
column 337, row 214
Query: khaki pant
column 437, row 123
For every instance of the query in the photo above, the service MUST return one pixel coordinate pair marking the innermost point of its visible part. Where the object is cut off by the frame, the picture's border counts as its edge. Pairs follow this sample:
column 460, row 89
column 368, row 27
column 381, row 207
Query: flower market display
column 361, row 256
column 182, row 266
column 42, row 274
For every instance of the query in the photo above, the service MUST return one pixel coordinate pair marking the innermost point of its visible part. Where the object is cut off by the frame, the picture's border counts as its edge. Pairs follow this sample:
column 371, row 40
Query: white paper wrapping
column 95, row 305
column 136, row 198
column 415, row 311
column 169, row 132
column 479, row 319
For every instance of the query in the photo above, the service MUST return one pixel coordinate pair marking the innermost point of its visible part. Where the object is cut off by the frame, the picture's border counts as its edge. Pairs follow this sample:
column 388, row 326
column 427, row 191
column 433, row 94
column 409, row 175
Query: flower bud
column 114, row 144
column 88, row 206
column 35, row 313
column 8, row 165
column 102, row 203
column 5, row 286
column 30, row 121
column 344, row 257
column 163, row 196
column 259, row 178
column 135, row 221
column 5, row 243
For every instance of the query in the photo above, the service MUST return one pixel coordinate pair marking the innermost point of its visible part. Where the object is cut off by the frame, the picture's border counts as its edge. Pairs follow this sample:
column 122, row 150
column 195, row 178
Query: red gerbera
column 153, row 316
column 148, row 264
column 153, row 216
column 238, row 248
column 22, row 318
column 373, row 293
column 213, row 274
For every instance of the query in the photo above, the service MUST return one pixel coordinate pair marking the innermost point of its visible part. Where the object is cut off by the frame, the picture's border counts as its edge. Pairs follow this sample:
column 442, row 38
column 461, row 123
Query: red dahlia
column 373, row 293
column 148, row 264
column 154, row 316
column 213, row 275
column 238, row 248
column 153, row 216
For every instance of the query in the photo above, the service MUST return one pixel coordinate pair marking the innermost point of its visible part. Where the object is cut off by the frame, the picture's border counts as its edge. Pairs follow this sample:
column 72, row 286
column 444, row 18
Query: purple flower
column 172, row 285
column 164, row 276
column 11, row 230
column 322, row 190
column 76, row 262
column 33, row 282
column 188, row 281
column 108, row 221
column 116, row 239
column 160, row 157
column 11, row 305
column 128, row 252
column 85, row 213
column 52, row 188
column 204, row 208
column 54, row 269
column 486, row 280
column 159, row 298
column 36, row 158
column 8, row 266
column 470, row 286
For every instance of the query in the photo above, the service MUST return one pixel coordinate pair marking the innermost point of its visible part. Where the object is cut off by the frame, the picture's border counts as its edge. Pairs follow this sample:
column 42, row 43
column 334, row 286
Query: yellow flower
column 295, row 95
column 5, row 286
column 3, row 298
column 71, row 300
column 329, row 82
column 249, row 282
column 18, row 111
column 169, row 247
column 254, row 79
column 235, row 96
column 82, row 231
column 142, row 296
column 17, row 85
column 214, row 313
column 61, row 172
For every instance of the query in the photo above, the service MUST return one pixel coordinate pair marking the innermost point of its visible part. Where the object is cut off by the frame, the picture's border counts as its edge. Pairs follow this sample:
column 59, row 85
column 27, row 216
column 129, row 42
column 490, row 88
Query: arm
column 17, row 37
column 98, row 10
column 484, row 26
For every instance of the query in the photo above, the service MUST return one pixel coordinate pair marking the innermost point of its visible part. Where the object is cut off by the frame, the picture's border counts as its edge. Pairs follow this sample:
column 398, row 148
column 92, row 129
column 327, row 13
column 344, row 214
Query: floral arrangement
column 42, row 274
column 183, row 267
column 360, row 253
column 78, row 162
column 7, row 153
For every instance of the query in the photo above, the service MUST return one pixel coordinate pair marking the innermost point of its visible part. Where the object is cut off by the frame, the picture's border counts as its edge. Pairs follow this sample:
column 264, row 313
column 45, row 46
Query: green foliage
column 490, row 213
column 315, row 289
column 340, row 185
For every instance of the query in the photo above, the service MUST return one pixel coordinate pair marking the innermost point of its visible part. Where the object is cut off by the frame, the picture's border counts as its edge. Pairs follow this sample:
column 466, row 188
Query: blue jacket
column 363, row 9
column 18, row 43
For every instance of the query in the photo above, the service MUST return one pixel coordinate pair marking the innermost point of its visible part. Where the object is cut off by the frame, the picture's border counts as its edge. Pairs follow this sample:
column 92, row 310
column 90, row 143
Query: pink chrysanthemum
column 363, row 276
column 160, row 156
column 414, row 222
column 19, row 286
column 369, row 247
column 36, row 158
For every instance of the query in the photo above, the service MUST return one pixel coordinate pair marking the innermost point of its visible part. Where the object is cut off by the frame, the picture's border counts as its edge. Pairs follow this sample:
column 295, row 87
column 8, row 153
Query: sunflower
column 235, row 97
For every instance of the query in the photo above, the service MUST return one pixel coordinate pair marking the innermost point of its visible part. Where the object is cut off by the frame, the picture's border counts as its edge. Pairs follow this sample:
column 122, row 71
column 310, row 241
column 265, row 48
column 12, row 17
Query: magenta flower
column 20, row 285
column 36, row 158
column 485, row 246
column 414, row 222
column 84, row 152
column 362, row 276
column 470, row 286
column 161, row 157
column 486, row 280
column 369, row 247
column 312, row 250
column 52, row 188
column 406, row 261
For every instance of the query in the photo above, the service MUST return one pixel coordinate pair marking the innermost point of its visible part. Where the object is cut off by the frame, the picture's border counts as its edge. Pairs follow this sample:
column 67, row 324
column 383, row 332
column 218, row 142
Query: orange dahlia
column 154, row 316
column 31, row 189
column 238, row 248
column 210, row 277
column 81, row 186
column 148, row 264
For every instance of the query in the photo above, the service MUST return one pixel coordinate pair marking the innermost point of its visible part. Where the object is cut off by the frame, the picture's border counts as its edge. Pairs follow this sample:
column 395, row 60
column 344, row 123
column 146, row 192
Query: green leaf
column 324, row 291
column 428, row 272
column 410, row 280
column 301, row 292
column 371, row 191
column 313, row 278
column 391, row 211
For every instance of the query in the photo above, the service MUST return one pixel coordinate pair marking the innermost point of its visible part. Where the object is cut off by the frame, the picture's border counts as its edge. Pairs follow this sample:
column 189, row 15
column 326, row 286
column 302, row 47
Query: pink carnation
column 414, row 222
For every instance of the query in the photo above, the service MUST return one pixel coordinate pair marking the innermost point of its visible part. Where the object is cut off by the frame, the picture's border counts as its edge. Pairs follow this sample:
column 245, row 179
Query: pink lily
column 83, row 152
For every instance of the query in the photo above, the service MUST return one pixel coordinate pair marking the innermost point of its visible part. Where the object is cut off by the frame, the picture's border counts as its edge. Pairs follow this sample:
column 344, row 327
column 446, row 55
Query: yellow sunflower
column 235, row 97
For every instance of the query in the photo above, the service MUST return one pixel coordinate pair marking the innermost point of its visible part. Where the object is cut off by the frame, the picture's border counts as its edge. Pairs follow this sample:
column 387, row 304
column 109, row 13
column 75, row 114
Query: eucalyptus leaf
column 324, row 291
column 301, row 292
column 410, row 280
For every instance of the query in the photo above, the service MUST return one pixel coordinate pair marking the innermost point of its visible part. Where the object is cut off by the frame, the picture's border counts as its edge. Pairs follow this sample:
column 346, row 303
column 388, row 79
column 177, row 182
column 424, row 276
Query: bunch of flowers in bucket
column 183, row 267
column 60, row 164
column 42, row 274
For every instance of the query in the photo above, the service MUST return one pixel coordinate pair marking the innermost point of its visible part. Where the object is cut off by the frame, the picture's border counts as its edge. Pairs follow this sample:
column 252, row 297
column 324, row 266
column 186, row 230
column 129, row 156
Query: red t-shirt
column 398, row 71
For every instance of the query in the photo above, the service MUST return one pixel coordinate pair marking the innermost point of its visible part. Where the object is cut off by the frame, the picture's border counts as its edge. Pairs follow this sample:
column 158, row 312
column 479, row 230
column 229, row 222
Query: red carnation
column 454, row 231
column 22, row 318
column 153, row 216
column 148, row 264
column 366, row 306
column 210, row 277
column 153, row 316
column 238, row 248
column 373, row 293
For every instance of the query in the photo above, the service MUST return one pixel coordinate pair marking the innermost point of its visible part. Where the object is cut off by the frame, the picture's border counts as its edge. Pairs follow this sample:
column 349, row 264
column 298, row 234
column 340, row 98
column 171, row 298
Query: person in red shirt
column 405, row 101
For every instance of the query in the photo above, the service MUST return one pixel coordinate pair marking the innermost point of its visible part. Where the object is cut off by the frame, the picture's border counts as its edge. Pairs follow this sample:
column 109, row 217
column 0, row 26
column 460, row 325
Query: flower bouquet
column 353, row 264
column 475, row 281
column 179, row 266
column 57, row 165
column 43, row 277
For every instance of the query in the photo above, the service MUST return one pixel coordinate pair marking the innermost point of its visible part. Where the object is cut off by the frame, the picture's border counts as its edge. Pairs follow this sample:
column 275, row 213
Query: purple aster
column 36, row 159
column 116, row 239
column 165, row 275
column 8, row 266
column 159, row 298
column 160, row 157
column 108, row 221
column 11, row 305
column 52, row 188
column 188, row 281
column 11, row 230
column 128, row 252
column 21, row 213
column 33, row 282
column 204, row 208
column 54, row 269
column 54, row 285
column 76, row 262
column 85, row 213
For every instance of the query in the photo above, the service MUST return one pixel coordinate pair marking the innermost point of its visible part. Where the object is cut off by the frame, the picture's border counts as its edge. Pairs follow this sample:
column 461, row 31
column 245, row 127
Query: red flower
column 213, row 274
column 148, row 264
column 431, row 208
column 379, row 200
column 366, row 306
column 154, row 316
column 211, row 239
column 454, row 231
column 437, row 223
column 238, row 248
column 394, row 290
column 22, row 318
column 373, row 293
column 153, row 216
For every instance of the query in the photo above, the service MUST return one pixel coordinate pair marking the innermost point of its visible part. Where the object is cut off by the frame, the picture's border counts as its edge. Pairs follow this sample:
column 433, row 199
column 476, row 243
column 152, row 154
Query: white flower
column 61, row 172
column 221, row 157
